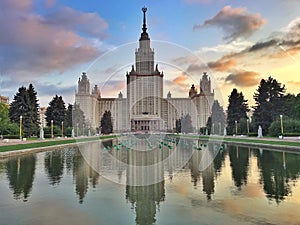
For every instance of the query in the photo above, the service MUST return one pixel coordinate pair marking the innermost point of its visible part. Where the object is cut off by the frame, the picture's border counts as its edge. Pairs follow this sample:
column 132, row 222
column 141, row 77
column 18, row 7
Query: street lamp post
column 77, row 129
column 62, row 129
column 248, row 130
column 213, row 128
column 220, row 128
column 281, row 124
column 236, row 129
column 52, row 129
column 21, row 117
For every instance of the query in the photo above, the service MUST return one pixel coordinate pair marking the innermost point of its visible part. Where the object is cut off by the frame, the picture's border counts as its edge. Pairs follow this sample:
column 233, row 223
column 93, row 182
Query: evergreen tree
column 69, row 117
column 217, row 119
column 25, row 104
column 106, row 123
column 237, row 110
column 178, row 126
column 269, row 99
column 33, row 112
column 186, row 124
column 292, row 106
column 56, row 111
column 78, row 119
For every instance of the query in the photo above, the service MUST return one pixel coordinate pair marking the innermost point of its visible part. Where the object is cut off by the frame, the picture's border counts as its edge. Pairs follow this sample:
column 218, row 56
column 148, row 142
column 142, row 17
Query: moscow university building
column 145, row 108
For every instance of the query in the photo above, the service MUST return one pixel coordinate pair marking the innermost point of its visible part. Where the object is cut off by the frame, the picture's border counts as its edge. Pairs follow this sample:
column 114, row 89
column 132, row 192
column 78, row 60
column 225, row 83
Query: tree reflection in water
column 54, row 165
column 20, row 173
column 277, row 170
column 239, row 162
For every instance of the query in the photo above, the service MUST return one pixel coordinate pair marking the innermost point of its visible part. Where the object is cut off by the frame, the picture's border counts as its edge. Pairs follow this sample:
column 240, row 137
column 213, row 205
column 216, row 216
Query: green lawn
column 22, row 146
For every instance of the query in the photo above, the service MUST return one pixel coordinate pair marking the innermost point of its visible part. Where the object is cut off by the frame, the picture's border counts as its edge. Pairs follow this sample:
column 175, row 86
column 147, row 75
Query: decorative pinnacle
column 144, row 9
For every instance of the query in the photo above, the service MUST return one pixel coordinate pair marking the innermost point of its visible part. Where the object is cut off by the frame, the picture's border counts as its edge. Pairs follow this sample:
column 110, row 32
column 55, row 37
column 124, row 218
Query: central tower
column 144, row 56
column 145, row 87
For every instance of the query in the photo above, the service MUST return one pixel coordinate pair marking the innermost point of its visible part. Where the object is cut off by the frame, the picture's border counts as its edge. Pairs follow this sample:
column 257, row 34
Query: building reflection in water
column 20, row 174
column 140, row 164
column 145, row 187
column 85, row 163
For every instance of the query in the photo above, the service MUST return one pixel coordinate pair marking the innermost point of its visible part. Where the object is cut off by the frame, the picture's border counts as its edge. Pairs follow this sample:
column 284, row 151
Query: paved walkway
column 17, row 141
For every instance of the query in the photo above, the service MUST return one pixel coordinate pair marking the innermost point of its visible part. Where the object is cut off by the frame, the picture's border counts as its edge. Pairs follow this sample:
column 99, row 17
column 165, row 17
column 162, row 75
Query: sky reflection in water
column 241, row 186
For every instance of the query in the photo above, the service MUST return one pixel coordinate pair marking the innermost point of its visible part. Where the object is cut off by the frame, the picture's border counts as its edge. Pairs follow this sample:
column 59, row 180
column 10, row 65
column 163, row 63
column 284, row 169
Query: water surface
column 240, row 186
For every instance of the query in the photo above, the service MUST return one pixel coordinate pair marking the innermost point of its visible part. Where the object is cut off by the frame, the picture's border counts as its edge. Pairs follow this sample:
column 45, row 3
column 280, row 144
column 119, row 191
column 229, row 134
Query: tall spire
column 144, row 35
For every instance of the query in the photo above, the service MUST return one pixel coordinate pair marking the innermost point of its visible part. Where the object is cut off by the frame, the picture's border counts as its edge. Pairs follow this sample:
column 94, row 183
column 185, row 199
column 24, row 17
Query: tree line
column 60, row 120
column 274, row 110
column 24, row 109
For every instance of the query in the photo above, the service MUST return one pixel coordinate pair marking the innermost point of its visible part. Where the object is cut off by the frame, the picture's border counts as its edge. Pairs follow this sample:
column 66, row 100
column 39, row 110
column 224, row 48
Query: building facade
column 4, row 100
column 145, row 108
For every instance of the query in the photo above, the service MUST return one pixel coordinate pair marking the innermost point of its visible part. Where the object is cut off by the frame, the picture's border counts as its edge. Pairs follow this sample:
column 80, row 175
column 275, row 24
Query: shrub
column 290, row 126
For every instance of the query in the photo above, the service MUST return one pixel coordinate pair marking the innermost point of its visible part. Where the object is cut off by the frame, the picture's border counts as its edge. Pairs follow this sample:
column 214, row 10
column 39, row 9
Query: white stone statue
column 41, row 134
column 259, row 132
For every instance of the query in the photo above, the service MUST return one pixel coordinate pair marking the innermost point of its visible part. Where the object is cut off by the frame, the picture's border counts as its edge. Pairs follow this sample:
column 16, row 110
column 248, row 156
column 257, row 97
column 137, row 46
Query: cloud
column 195, row 68
column 294, row 82
column 235, row 22
column 180, row 80
column 233, row 46
column 279, row 45
column 32, row 44
column 112, row 88
column 263, row 45
column 50, row 3
column 49, row 89
column 243, row 78
column 222, row 65
column 86, row 23
column 180, row 61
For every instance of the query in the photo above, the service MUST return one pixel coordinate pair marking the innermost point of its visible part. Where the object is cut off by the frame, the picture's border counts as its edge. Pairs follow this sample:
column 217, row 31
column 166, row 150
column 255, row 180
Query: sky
column 51, row 42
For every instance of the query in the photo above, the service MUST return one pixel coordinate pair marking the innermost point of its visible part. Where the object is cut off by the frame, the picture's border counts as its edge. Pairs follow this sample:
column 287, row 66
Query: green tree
column 237, row 109
column 25, row 104
column 56, row 111
column 78, row 119
column 186, row 124
column 4, row 119
column 68, row 121
column 292, row 106
column 269, row 100
column 217, row 119
column 106, row 123
column 178, row 126
column 33, row 112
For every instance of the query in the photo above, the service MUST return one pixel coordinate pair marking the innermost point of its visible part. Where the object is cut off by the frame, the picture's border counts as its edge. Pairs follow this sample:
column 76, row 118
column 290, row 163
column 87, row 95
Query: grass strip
column 49, row 143
column 245, row 140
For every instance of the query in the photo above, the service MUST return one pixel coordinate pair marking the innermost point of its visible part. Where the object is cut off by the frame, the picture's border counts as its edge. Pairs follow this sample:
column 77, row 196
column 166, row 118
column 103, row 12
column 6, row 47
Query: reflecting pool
column 173, row 182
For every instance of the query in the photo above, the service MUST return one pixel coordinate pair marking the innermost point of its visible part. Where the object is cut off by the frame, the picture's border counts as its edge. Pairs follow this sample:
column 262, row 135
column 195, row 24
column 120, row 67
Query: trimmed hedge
column 11, row 137
column 291, row 134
